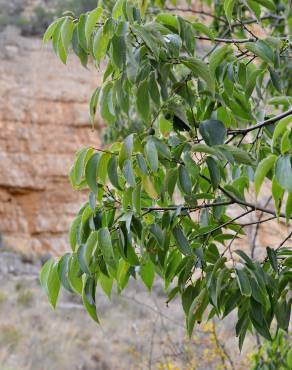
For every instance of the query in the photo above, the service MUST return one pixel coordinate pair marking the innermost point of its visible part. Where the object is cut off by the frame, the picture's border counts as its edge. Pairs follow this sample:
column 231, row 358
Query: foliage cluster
column 198, row 107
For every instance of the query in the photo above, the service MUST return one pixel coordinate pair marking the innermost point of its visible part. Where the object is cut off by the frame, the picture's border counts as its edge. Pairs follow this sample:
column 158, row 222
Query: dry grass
column 138, row 332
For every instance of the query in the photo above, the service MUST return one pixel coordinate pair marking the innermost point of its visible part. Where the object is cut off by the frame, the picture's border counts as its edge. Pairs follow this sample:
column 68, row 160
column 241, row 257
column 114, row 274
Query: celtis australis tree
column 197, row 101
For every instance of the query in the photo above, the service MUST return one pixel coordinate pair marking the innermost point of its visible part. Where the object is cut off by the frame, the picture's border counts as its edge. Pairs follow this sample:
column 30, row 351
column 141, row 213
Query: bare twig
column 284, row 241
column 259, row 125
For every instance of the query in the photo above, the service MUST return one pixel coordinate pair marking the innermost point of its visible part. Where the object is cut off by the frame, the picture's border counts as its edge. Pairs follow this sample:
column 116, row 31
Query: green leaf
column 217, row 57
column 153, row 89
column 66, row 33
column 100, row 44
column 123, row 274
column 78, row 50
column 106, row 103
column 289, row 358
column 50, row 282
column 91, row 21
column 243, row 282
column 191, row 165
column 258, row 320
column 51, row 29
column 88, row 297
column 182, row 242
column 81, row 160
column 93, row 104
column 158, row 234
column 102, row 167
column 136, row 197
column 269, row 4
column 246, row 258
column 63, row 267
column 81, row 31
column 202, row 28
column 147, row 37
column 143, row 104
column 118, row 51
column 129, row 173
column 288, row 210
column 286, row 142
column 105, row 243
column 74, row 275
column 197, row 309
column 202, row 148
column 239, row 155
column 252, row 80
column 255, row 7
column 283, row 172
column 228, row 9
column 112, row 170
column 106, row 284
column 186, row 34
column 214, row 172
column 149, row 187
column 200, row 69
column 272, row 255
column 73, row 232
column 278, row 194
column 118, row 9
column 213, row 132
column 143, row 7
column 147, row 272
column 261, row 49
column 168, row 20
column 262, row 170
column 280, row 128
column 126, row 150
column 44, row 274
column 184, row 180
column 142, row 164
column 91, row 172
column 151, row 155
column 90, row 246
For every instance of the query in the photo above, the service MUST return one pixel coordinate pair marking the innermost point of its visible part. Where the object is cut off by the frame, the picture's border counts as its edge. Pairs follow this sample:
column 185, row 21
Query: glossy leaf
column 262, row 170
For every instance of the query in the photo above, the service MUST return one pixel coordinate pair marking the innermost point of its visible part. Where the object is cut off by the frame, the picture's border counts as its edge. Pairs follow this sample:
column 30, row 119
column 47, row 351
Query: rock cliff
column 43, row 121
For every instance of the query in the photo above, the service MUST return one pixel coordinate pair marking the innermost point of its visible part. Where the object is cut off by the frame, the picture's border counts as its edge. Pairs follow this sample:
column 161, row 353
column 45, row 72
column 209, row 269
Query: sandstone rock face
column 44, row 120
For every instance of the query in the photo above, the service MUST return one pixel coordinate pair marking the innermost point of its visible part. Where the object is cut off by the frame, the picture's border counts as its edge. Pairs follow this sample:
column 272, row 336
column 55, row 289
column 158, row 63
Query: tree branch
column 259, row 125
column 174, row 208
column 246, row 204
column 193, row 11
column 226, row 41
column 284, row 241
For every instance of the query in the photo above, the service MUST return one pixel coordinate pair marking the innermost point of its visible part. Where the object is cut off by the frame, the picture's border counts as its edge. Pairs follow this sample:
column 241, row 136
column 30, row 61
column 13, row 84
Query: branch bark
column 259, row 125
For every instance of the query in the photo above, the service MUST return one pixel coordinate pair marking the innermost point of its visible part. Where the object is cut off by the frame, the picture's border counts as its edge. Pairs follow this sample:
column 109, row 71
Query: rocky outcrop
column 43, row 121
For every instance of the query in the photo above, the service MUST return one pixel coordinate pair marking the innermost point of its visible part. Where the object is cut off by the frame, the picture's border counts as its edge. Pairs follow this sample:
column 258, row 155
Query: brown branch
column 191, row 209
column 284, row 241
column 224, row 224
column 226, row 41
column 193, row 11
column 246, row 204
column 258, row 222
column 259, row 125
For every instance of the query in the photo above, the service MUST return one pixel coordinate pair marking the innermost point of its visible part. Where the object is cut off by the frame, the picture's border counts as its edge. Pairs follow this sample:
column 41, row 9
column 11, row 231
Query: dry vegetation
column 138, row 331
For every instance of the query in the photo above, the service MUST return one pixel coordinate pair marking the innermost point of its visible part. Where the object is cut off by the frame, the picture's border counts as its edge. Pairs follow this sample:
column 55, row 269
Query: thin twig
column 284, row 241
column 259, row 125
